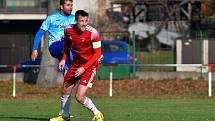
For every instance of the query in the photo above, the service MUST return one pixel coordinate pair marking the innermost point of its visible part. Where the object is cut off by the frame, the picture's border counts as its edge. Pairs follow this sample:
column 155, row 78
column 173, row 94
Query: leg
column 86, row 81
column 56, row 51
column 65, row 98
column 65, row 103
column 65, row 71
column 85, row 101
column 68, row 85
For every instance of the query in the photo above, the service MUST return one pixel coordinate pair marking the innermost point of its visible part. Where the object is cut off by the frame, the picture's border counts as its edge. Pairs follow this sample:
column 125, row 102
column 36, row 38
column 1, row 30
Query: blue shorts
column 56, row 51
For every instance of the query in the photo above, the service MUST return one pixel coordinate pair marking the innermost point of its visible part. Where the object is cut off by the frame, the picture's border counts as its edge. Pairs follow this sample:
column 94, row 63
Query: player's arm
column 37, row 40
column 96, row 43
column 44, row 27
column 66, row 52
column 96, row 56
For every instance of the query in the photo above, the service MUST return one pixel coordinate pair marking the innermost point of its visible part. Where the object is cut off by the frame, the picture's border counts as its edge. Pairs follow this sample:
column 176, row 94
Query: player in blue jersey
column 55, row 24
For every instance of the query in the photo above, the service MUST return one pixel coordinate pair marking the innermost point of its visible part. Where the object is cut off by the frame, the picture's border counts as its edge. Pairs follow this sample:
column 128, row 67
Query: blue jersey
column 55, row 24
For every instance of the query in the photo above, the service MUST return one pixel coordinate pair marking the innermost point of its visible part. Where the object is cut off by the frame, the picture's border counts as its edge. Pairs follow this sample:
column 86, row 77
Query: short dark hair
column 62, row 2
column 80, row 12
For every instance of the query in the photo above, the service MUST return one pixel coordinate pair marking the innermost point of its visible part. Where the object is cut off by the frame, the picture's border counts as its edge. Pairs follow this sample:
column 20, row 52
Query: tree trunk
column 102, row 12
column 48, row 68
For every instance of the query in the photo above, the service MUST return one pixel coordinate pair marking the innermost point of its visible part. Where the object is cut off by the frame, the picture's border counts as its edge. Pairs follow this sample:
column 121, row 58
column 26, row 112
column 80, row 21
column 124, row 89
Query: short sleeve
column 95, row 36
column 46, row 24
column 96, row 40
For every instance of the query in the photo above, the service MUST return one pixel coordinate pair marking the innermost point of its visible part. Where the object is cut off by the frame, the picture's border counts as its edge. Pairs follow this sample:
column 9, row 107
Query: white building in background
column 87, row 5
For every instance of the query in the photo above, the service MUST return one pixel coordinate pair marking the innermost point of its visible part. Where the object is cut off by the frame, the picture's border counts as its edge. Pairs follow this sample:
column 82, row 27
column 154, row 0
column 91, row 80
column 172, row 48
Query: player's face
column 82, row 22
column 66, row 9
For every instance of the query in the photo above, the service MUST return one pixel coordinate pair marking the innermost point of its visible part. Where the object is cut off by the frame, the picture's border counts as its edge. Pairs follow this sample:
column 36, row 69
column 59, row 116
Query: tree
column 48, row 69
column 169, row 13
column 153, row 42
column 208, row 8
column 102, row 12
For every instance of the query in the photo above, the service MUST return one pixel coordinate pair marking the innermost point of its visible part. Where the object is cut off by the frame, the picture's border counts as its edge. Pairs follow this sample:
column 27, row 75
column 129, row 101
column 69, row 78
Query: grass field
column 115, row 109
column 133, row 100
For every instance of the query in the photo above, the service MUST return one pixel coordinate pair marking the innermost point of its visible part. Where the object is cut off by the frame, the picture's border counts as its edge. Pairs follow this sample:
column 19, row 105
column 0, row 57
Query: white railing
column 208, row 70
column 207, row 66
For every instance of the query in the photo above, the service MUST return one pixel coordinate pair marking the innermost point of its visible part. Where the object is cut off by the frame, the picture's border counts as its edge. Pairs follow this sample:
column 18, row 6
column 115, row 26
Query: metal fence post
column 111, row 80
column 134, row 51
column 210, row 80
column 14, row 81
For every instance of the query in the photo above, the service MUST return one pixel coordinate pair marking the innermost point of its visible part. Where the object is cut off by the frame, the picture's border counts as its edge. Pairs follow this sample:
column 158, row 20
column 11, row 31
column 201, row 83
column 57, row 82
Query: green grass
column 115, row 109
column 159, row 57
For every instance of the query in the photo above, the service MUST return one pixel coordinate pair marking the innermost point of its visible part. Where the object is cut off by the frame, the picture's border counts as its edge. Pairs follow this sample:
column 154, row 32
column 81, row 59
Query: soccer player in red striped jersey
column 86, row 44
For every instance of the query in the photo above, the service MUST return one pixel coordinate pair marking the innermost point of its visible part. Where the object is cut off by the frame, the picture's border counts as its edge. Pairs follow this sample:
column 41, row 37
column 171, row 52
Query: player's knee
column 79, row 98
column 66, row 91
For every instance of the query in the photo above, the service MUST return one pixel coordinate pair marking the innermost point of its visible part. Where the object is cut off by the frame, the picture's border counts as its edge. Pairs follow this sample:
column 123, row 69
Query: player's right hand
column 34, row 55
column 61, row 64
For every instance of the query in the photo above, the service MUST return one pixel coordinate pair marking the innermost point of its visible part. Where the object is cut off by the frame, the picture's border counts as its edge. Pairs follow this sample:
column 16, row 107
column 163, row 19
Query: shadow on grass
column 24, row 118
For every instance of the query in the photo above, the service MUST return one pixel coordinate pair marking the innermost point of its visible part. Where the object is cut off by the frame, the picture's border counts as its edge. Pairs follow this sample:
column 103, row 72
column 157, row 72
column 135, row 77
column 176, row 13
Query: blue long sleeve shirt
column 54, row 24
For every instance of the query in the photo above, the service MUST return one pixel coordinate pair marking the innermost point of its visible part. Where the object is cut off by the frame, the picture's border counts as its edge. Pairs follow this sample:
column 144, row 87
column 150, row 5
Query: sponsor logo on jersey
column 82, row 39
column 59, row 26
column 85, row 81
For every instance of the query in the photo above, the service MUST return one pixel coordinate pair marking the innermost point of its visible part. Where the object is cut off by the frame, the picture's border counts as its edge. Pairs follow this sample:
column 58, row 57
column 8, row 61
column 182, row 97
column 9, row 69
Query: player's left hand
column 34, row 55
column 61, row 64
column 79, row 71
column 101, row 58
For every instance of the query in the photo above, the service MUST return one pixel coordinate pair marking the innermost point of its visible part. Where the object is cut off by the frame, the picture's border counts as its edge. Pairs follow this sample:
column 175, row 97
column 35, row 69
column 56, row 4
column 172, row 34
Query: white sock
column 89, row 104
column 65, row 105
